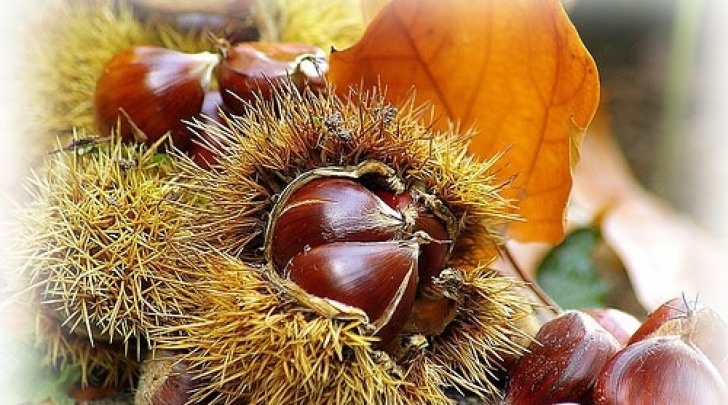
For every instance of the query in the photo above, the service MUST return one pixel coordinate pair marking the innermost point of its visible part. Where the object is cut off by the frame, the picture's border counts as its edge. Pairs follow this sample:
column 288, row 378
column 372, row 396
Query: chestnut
column 249, row 69
column 563, row 362
column 204, row 148
column 709, row 333
column 360, row 237
column 693, row 321
column 147, row 91
column 332, row 209
column 619, row 323
column 678, row 307
column 380, row 278
column 165, row 380
column 660, row 370
column 435, row 252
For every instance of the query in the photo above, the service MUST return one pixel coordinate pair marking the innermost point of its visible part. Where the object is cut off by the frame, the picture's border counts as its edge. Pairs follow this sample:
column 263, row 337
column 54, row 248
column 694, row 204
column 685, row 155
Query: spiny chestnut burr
column 662, row 370
column 205, row 147
column 336, row 234
column 249, row 69
column 562, row 364
column 147, row 91
column 260, row 337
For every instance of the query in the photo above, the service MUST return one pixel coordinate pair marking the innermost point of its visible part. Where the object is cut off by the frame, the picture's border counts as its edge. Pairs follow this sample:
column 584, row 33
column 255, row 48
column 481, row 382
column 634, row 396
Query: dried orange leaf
column 515, row 70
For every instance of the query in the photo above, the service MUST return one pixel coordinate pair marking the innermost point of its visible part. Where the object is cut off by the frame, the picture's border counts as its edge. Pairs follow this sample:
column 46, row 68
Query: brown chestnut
column 563, row 362
column 430, row 315
column 380, row 278
column 660, row 370
column 705, row 330
column 334, row 233
column 248, row 70
column 147, row 91
column 165, row 380
column 678, row 307
column 328, row 210
column 709, row 333
column 435, row 252
column 619, row 323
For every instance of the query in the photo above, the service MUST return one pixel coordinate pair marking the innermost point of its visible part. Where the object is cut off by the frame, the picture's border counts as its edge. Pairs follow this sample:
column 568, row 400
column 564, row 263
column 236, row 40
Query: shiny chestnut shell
column 334, row 236
column 709, row 333
column 619, row 323
column 695, row 323
column 662, row 370
column 380, row 278
column 674, row 308
column 436, row 251
column 329, row 210
column 249, row 69
column 563, row 362
column 149, row 90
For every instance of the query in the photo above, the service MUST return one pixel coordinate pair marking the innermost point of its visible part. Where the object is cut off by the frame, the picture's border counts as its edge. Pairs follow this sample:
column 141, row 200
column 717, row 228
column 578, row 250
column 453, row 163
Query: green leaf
column 568, row 274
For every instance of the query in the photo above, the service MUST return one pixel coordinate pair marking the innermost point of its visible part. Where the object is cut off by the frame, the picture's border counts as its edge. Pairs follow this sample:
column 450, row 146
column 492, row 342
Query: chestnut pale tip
column 202, row 65
column 144, row 92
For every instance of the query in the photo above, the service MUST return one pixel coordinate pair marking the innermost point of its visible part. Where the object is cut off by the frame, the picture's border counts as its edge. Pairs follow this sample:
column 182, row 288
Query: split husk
column 130, row 248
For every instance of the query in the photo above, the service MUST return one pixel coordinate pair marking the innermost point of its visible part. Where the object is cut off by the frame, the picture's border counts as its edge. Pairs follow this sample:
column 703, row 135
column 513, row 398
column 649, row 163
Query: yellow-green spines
column 102, row 241
column 99, row 363
column 266, row 149
column 251, row 341
column 254, row 338
column 126, row 247
column 488, row 329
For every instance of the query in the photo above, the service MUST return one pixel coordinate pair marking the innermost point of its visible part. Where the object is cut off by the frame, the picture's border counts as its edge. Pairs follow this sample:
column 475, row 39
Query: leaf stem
column 539, row 293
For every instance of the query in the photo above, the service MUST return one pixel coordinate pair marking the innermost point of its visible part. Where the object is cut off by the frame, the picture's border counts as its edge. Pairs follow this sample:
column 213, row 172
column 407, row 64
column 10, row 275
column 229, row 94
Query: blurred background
column 664, row 101
column 663, row 66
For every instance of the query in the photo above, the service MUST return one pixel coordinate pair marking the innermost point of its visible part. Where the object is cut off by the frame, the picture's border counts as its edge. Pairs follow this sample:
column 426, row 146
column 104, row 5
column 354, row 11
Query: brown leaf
column 515, row 70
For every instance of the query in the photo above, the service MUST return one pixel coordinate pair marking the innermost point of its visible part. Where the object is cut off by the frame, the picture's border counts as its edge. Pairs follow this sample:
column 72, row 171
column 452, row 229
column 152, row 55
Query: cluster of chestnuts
column 342, row 226
column 362, row 244
column 337, row 250
column 678, row 355
column 145, row 92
